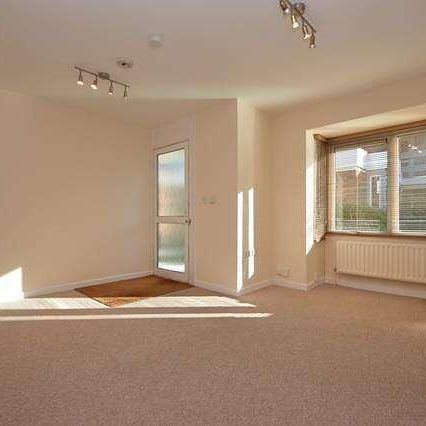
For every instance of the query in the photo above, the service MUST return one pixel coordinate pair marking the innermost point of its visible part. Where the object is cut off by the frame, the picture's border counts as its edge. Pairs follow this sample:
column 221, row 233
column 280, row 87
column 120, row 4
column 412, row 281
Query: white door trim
column 177, row 276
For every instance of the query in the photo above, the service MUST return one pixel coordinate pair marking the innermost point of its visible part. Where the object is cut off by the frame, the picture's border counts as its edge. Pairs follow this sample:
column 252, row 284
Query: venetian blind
column 321, row 199
column 361, row 187
column 410, row 211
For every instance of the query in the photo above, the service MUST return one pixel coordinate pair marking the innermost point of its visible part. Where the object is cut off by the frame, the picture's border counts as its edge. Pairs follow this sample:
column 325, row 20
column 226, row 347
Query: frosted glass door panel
column 171, row 243
column 172, row 193
column 172, row 221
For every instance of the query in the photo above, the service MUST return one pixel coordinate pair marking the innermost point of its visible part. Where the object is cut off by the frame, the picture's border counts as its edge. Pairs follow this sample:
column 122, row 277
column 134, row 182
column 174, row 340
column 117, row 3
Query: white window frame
column 393, row 174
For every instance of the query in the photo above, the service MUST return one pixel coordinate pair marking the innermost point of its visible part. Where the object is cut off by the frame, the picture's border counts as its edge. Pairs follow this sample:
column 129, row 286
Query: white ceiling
column 213, row 50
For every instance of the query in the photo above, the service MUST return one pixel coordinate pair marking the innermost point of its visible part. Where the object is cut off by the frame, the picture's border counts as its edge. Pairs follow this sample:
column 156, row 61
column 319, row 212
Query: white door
column 172, row 210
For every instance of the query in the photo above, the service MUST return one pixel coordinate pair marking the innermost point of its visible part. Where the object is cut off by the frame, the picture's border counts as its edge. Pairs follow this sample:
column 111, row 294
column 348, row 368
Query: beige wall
column 254, row 171
column 75, row 194
column 216, row 177
column 293, row 173
column 212, row 137
column 76, row 187
column 229, row 153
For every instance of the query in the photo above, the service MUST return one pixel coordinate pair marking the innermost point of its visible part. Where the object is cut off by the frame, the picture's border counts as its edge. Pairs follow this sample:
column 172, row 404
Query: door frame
column 177, row 276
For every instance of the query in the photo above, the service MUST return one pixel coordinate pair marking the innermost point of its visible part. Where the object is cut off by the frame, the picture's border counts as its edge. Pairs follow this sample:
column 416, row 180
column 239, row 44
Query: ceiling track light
column 294, row 20
column 95, row 83
column 306, row 32
column 103, row 76
column 80, row 81
column 285, row 7
column 297, row 15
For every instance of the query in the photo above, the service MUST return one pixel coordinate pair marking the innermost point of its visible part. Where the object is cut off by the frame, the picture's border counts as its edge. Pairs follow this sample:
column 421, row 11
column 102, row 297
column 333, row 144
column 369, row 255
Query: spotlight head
column 306, row 32
column 111, row 89
column 312, row 44
column 80, row 81
column 285, row 7
column 94, row 85
column 294, row 21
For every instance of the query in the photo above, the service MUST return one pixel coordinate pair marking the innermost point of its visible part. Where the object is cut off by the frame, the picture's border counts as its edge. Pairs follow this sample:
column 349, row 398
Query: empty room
column 212, row 213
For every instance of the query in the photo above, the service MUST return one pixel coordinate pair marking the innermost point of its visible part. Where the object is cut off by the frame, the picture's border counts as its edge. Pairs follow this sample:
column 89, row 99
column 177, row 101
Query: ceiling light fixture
column 294, row 21
column 80, row 81
column 101, row 76
column 297, row 12
column 306, row 33
column 95, row 83
column 285, row 7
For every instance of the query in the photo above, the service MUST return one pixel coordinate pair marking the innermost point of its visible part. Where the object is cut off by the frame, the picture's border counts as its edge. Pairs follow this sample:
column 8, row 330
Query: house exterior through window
column 377, row 185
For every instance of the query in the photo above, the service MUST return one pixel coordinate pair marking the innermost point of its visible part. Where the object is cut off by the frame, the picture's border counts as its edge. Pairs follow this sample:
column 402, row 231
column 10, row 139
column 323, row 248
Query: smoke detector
column 124, row 63
column 156, row 40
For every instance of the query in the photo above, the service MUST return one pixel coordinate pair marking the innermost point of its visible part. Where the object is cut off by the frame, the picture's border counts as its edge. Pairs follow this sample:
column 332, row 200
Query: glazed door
column 172, row 209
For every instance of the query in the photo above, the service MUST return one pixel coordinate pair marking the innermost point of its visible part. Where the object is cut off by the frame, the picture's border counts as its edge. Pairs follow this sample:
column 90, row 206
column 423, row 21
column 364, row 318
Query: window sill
column 377, row 235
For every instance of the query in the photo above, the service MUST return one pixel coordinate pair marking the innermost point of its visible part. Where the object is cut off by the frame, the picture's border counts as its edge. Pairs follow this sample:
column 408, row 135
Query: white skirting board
column 360, row 283
column 86, row 283
column 251, row 288
column 220, row 288
column 281, row 282
column 376, row 285
column 380, row 286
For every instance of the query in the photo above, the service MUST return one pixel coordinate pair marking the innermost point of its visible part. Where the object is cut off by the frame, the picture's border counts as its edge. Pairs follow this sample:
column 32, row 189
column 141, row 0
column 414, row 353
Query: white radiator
column 393, row 261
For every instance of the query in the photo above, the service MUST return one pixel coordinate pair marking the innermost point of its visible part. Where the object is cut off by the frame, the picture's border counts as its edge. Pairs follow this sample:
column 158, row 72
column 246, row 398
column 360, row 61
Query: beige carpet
column 332, row 356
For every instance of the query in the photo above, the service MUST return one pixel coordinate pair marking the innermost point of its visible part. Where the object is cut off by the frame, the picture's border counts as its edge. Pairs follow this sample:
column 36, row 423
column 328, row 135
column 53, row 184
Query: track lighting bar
column 296, row 12
column 101, row 76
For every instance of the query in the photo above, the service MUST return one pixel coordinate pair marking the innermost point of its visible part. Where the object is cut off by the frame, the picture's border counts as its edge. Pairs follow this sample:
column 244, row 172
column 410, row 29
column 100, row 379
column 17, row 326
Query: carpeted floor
column 332, row 356
column 121, row 293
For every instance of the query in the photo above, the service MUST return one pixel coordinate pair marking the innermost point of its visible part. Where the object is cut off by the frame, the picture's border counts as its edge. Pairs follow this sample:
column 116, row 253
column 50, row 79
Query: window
column 376, row 186
column 360, row 187
column 412, row 183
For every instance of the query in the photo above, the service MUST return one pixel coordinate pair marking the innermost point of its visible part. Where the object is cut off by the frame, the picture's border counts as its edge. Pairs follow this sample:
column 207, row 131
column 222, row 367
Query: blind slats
column 321, row 201
column 412, row 183
column 377, row 186
column 361, row 187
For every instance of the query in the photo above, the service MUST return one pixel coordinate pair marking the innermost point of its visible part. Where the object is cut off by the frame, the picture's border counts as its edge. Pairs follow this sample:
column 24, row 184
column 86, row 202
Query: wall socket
column 284, row 272
column 208, row 200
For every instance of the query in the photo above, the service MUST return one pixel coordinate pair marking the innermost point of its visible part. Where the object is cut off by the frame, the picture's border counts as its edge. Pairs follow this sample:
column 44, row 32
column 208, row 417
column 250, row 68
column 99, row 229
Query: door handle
column 188, row 221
